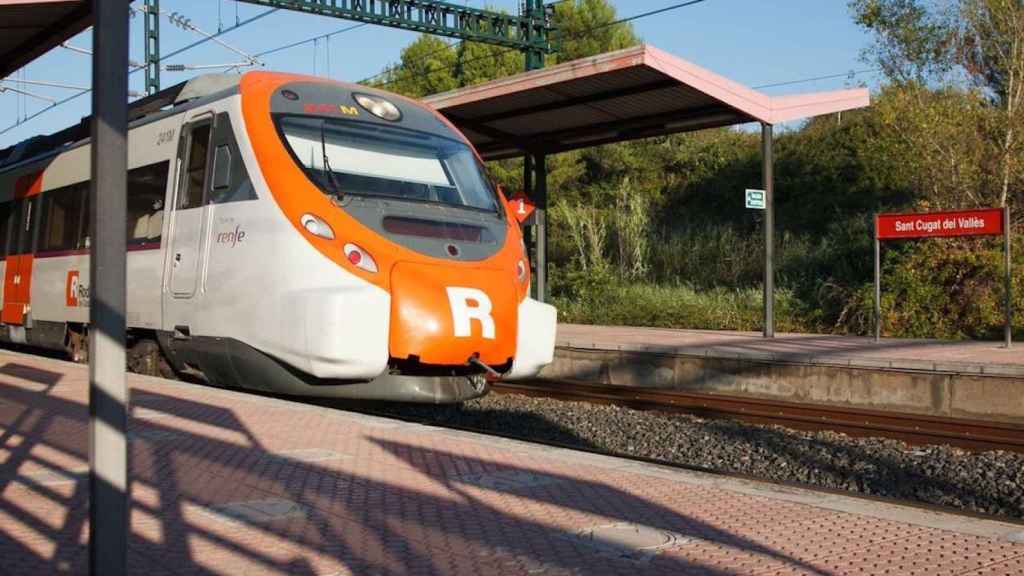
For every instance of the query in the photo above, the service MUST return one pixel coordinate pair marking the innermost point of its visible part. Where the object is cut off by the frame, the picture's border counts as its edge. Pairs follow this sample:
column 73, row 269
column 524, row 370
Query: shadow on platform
column 198, row 455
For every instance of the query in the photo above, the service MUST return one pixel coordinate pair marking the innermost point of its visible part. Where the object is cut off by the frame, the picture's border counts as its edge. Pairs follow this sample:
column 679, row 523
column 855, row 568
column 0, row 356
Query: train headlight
column 360, row 258
column 521, row 271
column 379, row 107
column 317, row 227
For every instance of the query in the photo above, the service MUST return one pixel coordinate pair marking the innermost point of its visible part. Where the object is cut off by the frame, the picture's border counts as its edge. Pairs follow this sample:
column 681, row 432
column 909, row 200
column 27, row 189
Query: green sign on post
column 755, row 199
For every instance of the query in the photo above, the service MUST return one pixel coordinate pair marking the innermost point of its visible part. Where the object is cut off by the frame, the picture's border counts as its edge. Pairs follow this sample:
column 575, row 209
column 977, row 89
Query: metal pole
column 878, row 285
column 108, row 456
column 542, row 227
column 769, row 230
column 529, row 236
column 1008, row 239
column 151, row 29
column 535, row 55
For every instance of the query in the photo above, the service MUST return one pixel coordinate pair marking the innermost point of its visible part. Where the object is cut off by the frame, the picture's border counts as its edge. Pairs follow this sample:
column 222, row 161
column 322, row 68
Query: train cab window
column 195, row 169
column 147, row 186
column 61, row 216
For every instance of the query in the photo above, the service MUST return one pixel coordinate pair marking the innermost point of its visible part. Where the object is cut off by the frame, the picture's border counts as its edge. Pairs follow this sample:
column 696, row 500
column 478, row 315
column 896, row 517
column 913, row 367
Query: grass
column 643, row 304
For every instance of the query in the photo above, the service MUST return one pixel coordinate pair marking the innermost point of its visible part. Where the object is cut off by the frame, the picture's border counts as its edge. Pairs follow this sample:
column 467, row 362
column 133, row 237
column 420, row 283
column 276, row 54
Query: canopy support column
column 108, row 455
column 542, row 226
column 528, row 235
column 768, row 162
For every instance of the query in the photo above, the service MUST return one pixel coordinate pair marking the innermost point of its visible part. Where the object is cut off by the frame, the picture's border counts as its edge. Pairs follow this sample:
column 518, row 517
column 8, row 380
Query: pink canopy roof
column 634, row 93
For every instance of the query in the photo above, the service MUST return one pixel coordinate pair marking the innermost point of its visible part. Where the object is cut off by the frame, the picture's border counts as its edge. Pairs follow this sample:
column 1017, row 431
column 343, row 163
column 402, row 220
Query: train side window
column 24, row 224
column 85, row 190
column 61, row 210
column 195, row 169
column 146, row 188
column 6, row 212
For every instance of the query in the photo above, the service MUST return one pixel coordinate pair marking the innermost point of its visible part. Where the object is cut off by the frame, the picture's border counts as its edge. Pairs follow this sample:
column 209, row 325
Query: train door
column 18, row 272
column 188, row 218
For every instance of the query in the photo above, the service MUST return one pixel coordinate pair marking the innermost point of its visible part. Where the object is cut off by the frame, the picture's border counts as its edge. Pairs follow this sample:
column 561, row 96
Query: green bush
column 603, row 300
column 941, row 289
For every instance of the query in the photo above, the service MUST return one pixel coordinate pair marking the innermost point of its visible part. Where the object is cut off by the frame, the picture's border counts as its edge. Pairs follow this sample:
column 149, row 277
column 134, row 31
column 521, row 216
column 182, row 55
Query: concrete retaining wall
column 933, row 389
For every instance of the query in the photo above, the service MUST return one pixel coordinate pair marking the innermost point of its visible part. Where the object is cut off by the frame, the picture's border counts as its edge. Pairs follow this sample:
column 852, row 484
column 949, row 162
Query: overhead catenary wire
column 573, row 36
column 851, row 74
column 181, row 21
column 76, row 49
column 45, row 83
column 308, row 40
column 169, row 55
column 51, row 84
column 403, row 68
column 23, row 92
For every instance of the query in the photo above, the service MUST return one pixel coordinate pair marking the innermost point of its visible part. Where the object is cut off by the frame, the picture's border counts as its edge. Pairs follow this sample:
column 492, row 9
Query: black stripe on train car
column 85, row 252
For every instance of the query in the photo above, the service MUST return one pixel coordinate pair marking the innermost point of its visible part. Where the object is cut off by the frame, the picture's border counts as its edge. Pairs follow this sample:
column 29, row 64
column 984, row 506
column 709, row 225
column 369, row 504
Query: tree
column 427, row 67
column 943, row 44
column 914, row 39
column 992, row 53
column 589, row 27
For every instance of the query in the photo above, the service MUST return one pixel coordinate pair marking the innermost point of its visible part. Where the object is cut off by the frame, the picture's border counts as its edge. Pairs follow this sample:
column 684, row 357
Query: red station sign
column 982, row 222
column 521, row 206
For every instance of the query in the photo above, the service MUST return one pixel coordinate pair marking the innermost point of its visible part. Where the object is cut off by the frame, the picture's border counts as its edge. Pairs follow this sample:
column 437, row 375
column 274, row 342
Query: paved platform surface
column 231, row 483
column 972, row 357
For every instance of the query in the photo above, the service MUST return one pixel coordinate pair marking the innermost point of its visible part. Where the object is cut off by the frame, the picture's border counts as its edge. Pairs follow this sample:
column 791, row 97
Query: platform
column 969, row 379
column 232, row 483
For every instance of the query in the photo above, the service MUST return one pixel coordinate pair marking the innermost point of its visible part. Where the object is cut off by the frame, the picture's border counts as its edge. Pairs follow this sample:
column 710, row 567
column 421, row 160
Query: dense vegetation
column 654, row 233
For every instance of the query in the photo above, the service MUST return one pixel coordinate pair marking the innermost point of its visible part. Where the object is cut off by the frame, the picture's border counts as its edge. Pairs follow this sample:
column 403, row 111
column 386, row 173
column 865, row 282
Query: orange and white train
column 286, row 234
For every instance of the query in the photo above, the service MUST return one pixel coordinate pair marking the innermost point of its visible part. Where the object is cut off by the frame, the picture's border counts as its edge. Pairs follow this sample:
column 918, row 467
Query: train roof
column 173, row 99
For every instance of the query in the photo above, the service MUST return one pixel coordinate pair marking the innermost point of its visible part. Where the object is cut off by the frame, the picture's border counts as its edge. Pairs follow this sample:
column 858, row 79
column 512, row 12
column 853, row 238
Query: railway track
column 911, row 428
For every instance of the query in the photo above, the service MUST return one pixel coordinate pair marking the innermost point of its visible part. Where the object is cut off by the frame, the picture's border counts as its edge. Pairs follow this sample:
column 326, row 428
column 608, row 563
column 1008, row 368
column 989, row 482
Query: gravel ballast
column 984, row 482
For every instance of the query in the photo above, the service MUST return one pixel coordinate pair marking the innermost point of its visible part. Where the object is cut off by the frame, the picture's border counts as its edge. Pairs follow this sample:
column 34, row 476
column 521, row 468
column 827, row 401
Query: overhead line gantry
column 529, row 32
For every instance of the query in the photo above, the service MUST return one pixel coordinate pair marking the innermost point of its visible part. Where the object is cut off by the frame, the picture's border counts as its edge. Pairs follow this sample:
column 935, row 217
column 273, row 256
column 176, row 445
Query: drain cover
column 258, row 511
column 506, row 480
column 627, row 540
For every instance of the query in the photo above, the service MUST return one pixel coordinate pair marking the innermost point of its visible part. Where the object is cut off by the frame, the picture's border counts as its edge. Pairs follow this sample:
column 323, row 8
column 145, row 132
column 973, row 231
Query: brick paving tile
column 231, row 483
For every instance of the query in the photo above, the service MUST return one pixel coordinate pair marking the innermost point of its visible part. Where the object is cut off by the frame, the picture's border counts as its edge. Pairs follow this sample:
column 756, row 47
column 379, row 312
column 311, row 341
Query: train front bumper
column 535, row 339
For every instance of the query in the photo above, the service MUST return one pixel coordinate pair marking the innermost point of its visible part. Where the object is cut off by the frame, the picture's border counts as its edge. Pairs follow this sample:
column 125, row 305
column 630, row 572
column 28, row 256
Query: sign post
column 878, row 285
column 768, row 181
column 1008, row 243
column 980, row 222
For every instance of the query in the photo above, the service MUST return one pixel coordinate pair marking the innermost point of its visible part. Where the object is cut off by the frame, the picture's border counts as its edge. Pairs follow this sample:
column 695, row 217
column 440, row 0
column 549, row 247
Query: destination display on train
column 982, row 222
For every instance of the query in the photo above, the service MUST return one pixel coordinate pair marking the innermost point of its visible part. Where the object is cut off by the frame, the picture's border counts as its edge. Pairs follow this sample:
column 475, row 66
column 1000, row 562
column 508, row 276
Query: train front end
column 420, row 287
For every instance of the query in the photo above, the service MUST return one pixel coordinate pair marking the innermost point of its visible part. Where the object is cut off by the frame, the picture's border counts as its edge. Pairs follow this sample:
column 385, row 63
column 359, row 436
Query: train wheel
column 78, row 346
column 145, row 357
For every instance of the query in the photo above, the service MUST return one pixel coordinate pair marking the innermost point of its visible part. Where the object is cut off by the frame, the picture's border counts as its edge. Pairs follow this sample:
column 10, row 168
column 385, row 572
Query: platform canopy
column 29, row 29
column 633, row 93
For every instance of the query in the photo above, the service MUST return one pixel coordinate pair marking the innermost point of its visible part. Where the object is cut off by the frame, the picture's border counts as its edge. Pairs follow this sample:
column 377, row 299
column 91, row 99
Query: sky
column 755, row 42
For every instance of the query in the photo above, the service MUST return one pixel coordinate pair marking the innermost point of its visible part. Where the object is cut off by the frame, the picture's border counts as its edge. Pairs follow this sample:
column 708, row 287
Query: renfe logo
column 75, row 293
column 470, row 304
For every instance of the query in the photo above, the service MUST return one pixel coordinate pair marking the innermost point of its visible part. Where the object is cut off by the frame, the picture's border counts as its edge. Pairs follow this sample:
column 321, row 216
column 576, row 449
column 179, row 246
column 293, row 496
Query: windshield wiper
column 327, row 163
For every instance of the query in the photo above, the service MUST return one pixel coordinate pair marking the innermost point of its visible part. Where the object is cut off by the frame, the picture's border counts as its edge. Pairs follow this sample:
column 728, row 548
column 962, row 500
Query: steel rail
column 911, row 428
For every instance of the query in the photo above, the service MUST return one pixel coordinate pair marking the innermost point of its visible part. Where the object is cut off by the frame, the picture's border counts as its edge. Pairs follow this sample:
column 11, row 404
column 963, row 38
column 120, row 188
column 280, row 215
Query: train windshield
column 347, row 157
